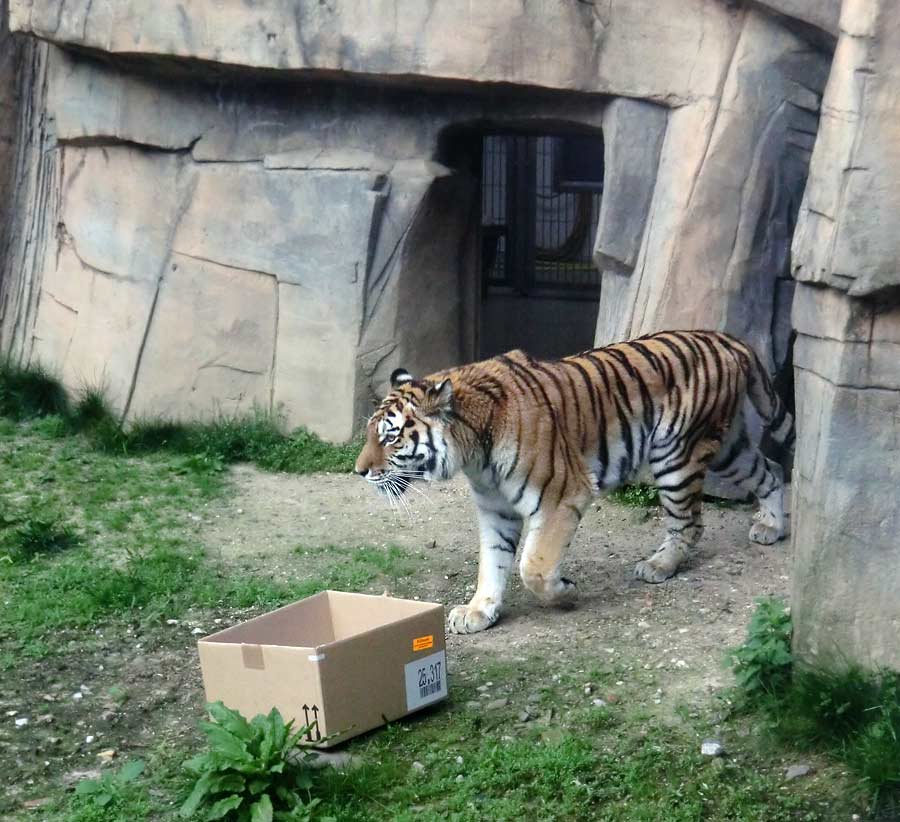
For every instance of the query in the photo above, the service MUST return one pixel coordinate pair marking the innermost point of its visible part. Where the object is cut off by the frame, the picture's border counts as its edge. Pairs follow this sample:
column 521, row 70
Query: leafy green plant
column 762, row 665
column 253, row 771
column 638, row 496
column 35, row 531
column 98, row 798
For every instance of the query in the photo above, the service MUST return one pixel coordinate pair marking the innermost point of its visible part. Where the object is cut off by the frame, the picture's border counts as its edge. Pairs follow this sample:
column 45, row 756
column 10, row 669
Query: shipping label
column 426, row 680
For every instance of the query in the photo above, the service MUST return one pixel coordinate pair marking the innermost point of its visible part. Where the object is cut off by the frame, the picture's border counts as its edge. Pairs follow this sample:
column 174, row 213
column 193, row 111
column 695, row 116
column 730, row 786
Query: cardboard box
column 345, row 663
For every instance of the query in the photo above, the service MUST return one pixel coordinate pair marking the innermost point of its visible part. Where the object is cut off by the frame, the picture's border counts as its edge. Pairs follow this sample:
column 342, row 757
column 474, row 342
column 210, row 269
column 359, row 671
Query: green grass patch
column 27, row 392
column 637, row 496
column 36, row 530
column 848, row 713
column 452, row 763
column 123, row 548
column 113, row 796
column 256, row 437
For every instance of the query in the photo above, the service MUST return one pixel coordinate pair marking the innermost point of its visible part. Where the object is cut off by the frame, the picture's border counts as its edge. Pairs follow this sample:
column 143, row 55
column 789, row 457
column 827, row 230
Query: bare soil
column 680, row 630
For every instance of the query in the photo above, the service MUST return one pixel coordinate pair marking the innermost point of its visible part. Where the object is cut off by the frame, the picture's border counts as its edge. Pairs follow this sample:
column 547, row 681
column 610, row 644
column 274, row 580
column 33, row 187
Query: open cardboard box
column 344, row 663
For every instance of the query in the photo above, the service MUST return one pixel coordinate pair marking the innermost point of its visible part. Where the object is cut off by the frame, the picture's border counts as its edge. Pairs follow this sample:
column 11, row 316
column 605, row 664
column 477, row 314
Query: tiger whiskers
column 395, row 495
column 411, row 476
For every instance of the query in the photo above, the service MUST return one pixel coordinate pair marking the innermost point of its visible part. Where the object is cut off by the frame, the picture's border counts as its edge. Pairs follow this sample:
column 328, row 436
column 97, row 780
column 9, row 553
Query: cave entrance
column 540, row 201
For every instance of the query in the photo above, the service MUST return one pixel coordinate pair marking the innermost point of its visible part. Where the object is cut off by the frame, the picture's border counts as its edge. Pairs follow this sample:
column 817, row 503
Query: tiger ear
column 442, row 394
column 400, row 377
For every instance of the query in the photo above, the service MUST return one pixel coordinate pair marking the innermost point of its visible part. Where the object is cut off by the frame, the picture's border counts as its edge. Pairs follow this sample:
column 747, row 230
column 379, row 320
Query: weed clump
column 762, row 665
column 252, row 771
column 29, row 391
column 33, row 532
column 846, row 711
column 637, row 496
column 112, row 796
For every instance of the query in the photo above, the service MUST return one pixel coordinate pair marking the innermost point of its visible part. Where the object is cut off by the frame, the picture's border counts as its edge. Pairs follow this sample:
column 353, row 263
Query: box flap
column 355, row 614
column 303, row 624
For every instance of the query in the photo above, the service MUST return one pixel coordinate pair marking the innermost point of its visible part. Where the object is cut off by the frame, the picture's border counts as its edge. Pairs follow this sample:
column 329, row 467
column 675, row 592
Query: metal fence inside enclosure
column 540, row 199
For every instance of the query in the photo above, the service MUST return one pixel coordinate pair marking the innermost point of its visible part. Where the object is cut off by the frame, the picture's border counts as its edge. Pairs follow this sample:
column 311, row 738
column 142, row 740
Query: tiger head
column 407, row 438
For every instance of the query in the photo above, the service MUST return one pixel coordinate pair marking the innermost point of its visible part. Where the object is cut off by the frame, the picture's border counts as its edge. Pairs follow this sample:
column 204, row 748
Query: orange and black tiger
column 538, row 439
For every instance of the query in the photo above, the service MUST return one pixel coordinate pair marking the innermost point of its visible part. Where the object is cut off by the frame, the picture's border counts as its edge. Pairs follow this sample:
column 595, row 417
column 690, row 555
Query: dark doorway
column 540, row 200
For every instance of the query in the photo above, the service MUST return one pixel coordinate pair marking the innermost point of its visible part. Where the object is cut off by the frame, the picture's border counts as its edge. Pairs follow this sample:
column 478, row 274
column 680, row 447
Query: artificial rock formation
column 274, row 206
column 243, row 229
column 846, row 597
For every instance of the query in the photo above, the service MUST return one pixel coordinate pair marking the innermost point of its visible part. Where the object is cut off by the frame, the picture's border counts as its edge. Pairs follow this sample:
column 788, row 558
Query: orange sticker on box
column 423, row 643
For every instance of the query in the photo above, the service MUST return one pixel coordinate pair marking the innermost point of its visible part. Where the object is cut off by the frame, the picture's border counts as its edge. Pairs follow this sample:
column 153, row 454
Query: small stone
column 482, row 688
column 88, row 739
column 796, row 771
column 459, row 760
column 496, row 704
column 11, row 713
column 171, row 622
column 588, row 688
column 45, row 719
column 418, row 767
column 524, row 716
column 34, row 804
column 339, row 760
column 198, row 632
column 77, row 696
column 73, row 777
column 22, row 721
column 460, row 778
column 599, row 703
column 106, row 756
column 712, row 747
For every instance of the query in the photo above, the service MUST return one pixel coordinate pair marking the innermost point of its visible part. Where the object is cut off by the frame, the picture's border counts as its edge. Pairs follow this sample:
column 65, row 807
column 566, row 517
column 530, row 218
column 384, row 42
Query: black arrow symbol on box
column 315, row 710
column 305, row 714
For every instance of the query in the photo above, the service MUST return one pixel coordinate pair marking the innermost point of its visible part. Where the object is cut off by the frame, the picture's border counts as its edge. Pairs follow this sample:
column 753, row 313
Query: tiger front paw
column 469, row 619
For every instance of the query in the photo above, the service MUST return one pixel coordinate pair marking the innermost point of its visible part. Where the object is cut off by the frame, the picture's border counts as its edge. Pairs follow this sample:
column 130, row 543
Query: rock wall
column 557, row 44
column 846, row 501
column 715, row 251
column 225, row 211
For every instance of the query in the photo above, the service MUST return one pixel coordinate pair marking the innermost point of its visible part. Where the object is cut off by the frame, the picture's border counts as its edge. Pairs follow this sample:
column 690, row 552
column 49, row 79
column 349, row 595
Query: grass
column 456, row 763
column 636, row 496
column 124, row 548
column 33, row 531
column 29, row 392
column 257, row 437
column 846, row 712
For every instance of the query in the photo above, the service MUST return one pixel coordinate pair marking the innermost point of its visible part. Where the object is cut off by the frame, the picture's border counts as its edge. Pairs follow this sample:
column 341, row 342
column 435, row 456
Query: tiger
column 539, row 440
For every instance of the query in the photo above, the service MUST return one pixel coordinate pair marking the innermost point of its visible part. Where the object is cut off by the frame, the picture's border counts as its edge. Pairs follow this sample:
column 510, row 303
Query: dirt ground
column 680, row 629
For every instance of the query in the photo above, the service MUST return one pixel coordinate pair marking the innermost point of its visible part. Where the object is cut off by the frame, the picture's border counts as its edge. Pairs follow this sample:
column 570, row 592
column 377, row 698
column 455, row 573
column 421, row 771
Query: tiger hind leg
column 742, row 464
column 679, row 478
